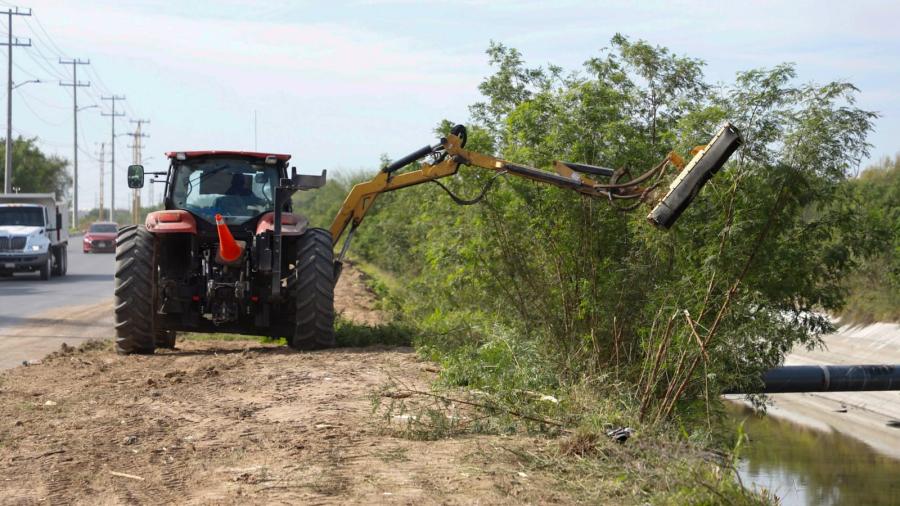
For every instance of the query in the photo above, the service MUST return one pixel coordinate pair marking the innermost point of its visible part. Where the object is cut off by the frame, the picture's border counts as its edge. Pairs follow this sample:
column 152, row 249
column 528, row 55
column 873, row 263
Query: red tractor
column 228, row 254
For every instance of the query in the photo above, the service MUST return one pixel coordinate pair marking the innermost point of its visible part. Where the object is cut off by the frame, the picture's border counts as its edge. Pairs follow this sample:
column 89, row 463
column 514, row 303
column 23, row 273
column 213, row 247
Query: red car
column 101, row 237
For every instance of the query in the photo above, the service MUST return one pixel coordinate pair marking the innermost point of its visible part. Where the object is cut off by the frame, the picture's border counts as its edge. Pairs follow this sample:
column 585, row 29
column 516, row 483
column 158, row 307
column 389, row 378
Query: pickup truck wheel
column 47, row 268
column 314, row 292
column 62, row 262
column 135, row 291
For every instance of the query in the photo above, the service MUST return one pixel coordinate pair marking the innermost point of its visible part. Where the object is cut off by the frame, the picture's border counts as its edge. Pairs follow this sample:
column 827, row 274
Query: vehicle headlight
column 35, row 244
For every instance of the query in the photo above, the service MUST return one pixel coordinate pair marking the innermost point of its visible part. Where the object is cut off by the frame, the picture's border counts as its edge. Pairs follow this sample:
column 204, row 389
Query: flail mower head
column 702, row 166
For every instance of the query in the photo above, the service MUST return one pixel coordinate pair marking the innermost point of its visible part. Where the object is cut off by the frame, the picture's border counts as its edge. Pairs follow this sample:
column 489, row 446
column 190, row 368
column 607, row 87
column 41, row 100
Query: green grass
column 353, row 335
column 201, row 336
column 347, row 334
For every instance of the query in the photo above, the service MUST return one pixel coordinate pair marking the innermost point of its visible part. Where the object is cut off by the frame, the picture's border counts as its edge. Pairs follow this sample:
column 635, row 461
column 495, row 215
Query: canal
column 804, row 466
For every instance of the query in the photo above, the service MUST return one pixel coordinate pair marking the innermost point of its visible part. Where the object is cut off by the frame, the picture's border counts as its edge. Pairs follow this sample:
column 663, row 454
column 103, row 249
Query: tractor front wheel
column 135, row 291
column 314, row 291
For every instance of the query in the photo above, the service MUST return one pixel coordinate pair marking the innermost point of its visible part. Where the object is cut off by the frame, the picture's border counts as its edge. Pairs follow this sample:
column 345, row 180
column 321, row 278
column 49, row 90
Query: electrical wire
column 37, row 20
column 35, row 113
column 26, row 72
column 40, row 101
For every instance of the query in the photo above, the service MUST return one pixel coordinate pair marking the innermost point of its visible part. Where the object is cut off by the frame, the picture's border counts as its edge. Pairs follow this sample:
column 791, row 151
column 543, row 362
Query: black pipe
column 408, row 159
column 590, row 169
column 826, row 378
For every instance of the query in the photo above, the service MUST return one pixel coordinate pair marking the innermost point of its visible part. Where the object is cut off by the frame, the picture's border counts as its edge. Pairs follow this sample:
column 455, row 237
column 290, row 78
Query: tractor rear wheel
column 314, row 291
column 135, row 291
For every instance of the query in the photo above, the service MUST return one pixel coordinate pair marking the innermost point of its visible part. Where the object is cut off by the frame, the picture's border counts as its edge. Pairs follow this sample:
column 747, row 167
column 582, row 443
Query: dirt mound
column 234, row 422
column 238, row 422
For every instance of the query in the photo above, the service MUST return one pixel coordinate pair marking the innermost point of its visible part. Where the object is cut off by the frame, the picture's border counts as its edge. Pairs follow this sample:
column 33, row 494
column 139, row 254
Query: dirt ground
column 233, row 422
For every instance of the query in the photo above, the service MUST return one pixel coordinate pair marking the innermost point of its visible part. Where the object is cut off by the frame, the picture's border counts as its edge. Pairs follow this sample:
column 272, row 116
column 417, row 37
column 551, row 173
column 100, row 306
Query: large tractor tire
column 135, row 291
column 314, row 291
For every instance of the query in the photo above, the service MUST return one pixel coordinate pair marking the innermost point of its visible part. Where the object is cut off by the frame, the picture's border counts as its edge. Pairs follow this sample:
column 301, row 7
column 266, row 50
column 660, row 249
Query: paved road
column 36, row 316
column 89, row 280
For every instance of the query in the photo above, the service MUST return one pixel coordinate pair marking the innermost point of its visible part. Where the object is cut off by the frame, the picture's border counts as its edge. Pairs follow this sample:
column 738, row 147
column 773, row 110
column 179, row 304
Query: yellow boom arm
column 450, row 153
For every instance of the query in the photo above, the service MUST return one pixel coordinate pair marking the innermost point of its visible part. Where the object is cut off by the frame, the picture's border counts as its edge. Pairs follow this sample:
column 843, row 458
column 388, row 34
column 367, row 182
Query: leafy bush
column 587, row 290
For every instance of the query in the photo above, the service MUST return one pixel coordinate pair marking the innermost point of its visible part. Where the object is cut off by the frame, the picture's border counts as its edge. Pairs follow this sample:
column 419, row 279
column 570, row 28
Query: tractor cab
column 223, row 254
column 238, row 186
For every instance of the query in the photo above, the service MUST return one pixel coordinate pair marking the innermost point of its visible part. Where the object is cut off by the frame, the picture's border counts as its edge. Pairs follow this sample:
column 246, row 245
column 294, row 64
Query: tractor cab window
column 237, row 189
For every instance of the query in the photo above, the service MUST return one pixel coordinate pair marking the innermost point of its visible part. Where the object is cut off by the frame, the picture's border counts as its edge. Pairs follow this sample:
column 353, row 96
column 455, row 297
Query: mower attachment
column 697, row 172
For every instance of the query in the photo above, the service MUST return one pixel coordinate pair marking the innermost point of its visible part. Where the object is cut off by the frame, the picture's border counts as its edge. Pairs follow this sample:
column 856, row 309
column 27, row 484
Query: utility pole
column 136, row 160
column 75, row 84
column 12, row 11
column 102, row 168
column 112, row 177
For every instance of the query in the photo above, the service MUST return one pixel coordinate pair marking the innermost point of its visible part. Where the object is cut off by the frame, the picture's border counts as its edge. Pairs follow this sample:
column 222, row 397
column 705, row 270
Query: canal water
column 804, row 467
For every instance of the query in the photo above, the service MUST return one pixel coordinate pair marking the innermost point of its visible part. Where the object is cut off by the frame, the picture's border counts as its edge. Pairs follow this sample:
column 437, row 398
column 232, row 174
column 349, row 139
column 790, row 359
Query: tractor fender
column 175, row 221
column 291, row 224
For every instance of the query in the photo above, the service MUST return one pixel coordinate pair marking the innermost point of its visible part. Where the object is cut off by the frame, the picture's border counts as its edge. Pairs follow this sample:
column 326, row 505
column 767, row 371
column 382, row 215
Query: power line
column 39, row 100
column 7, row 186
column 35, row 113
column 23, row 70
column 52, row 43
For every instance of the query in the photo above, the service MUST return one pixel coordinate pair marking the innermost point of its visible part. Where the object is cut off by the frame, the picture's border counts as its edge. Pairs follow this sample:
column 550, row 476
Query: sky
column 337, row 84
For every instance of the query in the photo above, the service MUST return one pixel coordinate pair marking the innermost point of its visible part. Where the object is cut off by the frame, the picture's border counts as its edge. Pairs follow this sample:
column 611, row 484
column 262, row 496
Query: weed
column 353, row 335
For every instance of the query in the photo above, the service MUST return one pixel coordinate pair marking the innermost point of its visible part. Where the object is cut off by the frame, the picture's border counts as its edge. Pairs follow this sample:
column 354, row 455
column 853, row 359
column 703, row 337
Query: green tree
column 592, row 289
column 35, row 171
column 874, row 286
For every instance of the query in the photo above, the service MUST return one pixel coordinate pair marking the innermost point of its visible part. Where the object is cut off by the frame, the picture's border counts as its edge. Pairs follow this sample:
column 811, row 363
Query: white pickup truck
column 34, row 234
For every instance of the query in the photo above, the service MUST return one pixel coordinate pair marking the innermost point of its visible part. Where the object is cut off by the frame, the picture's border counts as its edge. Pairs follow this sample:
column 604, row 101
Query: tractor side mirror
column 135, row 176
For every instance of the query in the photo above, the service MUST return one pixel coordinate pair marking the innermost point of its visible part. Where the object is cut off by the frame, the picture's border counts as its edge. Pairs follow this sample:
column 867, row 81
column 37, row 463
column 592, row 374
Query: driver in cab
column 238, row 198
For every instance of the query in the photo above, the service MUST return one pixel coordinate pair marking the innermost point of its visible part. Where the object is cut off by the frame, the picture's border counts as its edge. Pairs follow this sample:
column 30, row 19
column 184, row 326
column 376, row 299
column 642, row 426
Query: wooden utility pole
column 102, row 168
column 12, row 11
column 136, row 160
column 75, row 84
column 112, row 173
